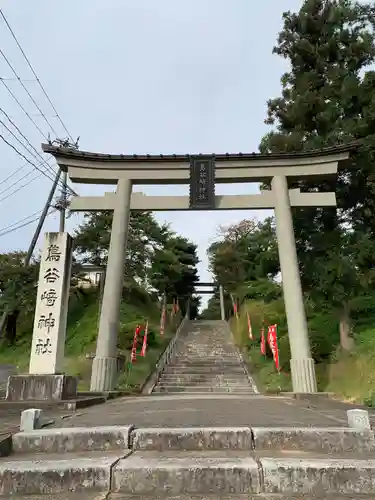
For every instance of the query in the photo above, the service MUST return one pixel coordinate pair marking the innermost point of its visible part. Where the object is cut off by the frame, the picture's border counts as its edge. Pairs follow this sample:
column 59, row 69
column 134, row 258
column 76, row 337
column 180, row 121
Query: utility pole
column 63, row 203
column 34, row 239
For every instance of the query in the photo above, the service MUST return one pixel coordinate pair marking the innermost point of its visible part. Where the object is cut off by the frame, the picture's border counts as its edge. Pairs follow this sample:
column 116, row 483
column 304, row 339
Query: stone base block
column 104, row 374
column 41, row 387
column 303, row 375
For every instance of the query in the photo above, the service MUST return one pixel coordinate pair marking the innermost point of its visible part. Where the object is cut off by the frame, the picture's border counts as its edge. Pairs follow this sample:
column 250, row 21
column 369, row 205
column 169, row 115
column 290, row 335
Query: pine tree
column 328, row 97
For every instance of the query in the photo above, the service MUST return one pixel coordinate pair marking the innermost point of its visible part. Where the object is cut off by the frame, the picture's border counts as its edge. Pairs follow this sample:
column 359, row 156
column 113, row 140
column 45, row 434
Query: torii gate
column 202, row 171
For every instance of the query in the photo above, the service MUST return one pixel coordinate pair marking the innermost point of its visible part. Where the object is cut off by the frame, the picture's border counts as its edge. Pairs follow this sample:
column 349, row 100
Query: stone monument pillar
column 104, row 367
column 301, row 363
column 46, row 380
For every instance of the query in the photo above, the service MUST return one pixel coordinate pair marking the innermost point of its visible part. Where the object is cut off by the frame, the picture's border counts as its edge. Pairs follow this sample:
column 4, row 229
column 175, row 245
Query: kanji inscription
column 51, row 307
column 202, row 183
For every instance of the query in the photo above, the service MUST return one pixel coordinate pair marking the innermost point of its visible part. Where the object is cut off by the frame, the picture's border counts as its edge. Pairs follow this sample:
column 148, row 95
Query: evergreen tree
column 328, row 97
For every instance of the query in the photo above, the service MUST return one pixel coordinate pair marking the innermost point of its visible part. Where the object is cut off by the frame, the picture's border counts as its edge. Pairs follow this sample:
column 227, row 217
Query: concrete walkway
column 211, row 410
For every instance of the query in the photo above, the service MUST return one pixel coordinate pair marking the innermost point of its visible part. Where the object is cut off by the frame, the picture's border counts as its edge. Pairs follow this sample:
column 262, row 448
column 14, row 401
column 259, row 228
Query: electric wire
column 29, row 161
column 16, row 182
column 49, row 167
column 23, row 109
column 28, row 93
column 3, row 233
column 18, row 152
column 38, row 212
column 14, row 173
column 34, row 73
column 46, row 165
column 41, row 160
column 15, row 191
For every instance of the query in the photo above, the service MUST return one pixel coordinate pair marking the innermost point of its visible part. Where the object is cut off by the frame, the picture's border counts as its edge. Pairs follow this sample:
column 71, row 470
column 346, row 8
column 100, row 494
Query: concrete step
column 118, row 439
column 238, row 496
column 56, row 474
column 205, row 381
column 207, row 360
column 148, row 474
column 196, row 370
column 180, row 473
column 203, row 388
column 191, row 463
column 207, row 366
column 198, row 379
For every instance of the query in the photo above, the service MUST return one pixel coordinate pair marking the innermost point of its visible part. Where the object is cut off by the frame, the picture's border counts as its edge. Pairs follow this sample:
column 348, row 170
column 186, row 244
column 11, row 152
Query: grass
column 350, row 376
column 82, row 328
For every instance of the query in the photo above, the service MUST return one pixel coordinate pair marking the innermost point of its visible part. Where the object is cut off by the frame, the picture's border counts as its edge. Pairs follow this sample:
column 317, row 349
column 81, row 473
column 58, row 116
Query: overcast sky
column 138, row 76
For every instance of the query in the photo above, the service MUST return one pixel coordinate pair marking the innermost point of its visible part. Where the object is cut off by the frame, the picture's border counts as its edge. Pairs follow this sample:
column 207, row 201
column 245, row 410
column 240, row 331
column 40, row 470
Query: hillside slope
column 350, row 376
column 83, row 318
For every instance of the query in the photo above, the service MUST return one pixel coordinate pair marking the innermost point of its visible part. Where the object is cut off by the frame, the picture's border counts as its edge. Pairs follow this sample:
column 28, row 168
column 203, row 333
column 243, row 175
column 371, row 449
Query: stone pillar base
column 103, row 374
column 303, row 375
column 41, row 387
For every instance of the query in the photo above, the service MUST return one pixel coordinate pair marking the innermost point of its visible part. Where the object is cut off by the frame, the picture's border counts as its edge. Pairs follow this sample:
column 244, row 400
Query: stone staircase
column 233, row 463
column 206, row 360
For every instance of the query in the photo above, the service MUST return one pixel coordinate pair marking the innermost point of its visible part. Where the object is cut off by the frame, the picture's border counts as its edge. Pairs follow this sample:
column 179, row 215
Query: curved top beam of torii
column 98, row 168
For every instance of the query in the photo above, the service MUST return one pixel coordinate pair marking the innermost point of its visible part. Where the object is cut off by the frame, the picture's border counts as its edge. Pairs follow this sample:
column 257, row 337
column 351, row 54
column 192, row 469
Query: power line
column 16, row 182
column 32, row 154
column 31, row 163
column 3, row 233
column 34, row 73
column 14, row 173
column 21, row 81
column 20, row 187
column 23, row 109
column 27, row 91
column 24, row 137
column 38, row 212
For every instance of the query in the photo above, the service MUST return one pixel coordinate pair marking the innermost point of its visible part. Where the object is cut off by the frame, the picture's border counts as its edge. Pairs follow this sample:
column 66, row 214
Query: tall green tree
column 18, row 285
column 174, row 268
column 328, row 97
column 245, row 252
column 144, row 238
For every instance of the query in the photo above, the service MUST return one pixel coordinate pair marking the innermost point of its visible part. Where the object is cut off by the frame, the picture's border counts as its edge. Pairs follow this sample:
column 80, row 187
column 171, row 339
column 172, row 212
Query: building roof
column 86, row 155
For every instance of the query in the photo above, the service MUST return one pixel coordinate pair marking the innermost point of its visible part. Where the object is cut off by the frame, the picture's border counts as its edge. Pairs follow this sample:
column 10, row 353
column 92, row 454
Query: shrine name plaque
column 202, row 183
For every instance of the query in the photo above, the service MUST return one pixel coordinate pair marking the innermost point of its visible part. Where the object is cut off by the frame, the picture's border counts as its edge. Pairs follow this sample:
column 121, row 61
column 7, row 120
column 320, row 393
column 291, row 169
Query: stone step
column 148, row 473
column 213, row 359
column 238, row 496
column 205, row 357
column 193, row 474
column 196, row 370
column 205, row 364
column 118, row 439
column 203, row 388
column 192, row 379
column 207, row 382
column 210, row 354
column 52, row 474
column 73, row 439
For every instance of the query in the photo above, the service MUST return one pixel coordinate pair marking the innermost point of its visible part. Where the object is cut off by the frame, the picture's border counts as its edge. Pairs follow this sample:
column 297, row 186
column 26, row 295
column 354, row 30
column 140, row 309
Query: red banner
column 133, row 356
column 144, row 345
column 162, row 321
column 262, row 342
column 173, row 312
column 272, row 342
column 235, row 309
column 249, row 329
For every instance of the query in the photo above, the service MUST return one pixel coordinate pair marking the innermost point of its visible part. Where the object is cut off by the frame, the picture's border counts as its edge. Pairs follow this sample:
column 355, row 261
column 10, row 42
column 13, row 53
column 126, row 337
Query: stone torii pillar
column 104, row 367
column 301, row 363
column 222, row 307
